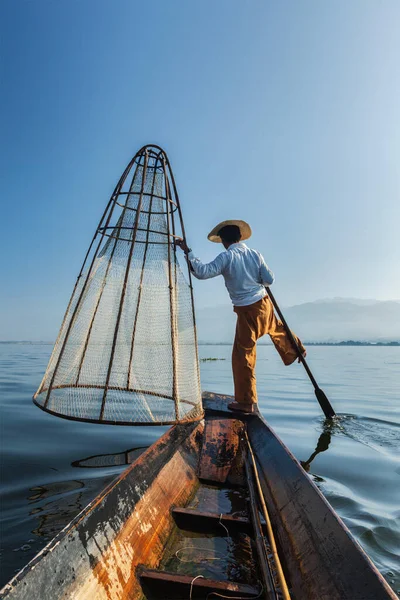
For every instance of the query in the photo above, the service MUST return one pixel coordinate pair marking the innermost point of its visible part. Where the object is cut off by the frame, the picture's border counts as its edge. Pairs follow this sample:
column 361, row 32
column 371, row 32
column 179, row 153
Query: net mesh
column 127, row 349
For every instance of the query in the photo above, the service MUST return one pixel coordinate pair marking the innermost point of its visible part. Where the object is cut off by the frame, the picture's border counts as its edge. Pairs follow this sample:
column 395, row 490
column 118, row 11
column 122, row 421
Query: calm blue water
column 46, row 481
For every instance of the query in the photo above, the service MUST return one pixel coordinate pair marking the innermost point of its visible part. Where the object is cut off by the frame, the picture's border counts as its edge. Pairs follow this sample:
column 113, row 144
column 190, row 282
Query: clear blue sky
column 285, row 114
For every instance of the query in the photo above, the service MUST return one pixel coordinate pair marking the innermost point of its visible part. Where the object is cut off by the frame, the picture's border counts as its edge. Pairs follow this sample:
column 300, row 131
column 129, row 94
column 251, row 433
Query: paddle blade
column 324, row 403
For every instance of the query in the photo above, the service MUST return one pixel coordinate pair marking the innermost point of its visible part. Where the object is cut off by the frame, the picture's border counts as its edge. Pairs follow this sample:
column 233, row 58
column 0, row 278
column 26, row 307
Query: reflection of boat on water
column 183, row 521
column 55, row 504
column 56, row 488
column 117, row 459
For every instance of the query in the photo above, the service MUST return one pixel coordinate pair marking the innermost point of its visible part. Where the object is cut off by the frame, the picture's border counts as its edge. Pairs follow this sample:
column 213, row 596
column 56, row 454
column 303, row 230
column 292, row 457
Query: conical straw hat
column 245, row 230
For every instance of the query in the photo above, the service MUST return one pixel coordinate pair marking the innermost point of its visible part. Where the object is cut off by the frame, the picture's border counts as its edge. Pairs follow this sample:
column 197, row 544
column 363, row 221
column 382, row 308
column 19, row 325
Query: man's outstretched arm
column 266, row 275
column 199, row 269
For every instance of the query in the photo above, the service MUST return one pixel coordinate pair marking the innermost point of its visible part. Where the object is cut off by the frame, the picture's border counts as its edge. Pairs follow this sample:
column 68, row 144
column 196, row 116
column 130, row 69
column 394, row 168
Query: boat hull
column 114, row 548
column 127, row 524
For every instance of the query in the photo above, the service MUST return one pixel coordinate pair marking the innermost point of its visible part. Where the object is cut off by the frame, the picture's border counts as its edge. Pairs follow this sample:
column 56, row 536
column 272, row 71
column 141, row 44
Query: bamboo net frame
column 126, row 353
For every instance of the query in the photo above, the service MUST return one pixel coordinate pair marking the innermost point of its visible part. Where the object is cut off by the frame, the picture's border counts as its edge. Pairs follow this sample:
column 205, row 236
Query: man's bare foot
column 243, row 408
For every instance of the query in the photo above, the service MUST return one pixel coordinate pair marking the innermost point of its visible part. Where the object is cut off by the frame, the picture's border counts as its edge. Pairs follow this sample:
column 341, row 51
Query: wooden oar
column 321, row 396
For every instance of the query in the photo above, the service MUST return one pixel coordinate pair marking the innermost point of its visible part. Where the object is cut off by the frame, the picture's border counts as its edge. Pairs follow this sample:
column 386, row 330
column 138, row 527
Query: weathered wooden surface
column 217, row 405
column 219, row 450
column 323, row 559
column 96, row 555
column 162, row 584
column 197, row 520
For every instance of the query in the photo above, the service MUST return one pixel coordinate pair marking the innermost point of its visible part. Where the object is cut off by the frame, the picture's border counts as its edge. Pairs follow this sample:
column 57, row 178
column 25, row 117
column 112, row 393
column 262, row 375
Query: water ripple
column 52, row 468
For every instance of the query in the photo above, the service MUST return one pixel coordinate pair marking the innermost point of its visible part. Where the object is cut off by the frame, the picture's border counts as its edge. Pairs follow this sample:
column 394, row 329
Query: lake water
column 46, row 479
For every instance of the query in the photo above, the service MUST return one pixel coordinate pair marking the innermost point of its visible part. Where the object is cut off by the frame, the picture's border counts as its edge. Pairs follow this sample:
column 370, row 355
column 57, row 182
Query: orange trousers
column 253, row 322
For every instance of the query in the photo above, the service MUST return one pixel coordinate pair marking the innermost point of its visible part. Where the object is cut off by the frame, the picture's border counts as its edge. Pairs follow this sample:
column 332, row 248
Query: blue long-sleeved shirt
column 245, row 272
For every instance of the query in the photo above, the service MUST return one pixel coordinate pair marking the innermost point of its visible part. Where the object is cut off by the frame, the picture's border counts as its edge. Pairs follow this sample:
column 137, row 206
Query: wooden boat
column 187, row 520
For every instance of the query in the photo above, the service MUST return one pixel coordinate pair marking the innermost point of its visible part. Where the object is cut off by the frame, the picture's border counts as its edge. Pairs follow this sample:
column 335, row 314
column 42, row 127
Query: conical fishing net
column 127, row 349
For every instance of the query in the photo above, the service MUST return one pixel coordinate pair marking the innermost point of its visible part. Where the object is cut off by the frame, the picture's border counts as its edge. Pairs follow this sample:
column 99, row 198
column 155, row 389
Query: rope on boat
column 210, row 550
column 217, row 593
column 191, row 584
column 270, row 533
column 222, row 525
column 236, row 597
column 214, row 558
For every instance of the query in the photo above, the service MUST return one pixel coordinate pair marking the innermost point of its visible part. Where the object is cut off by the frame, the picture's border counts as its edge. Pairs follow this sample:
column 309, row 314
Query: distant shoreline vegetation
column 352, row 343
column 343, row 343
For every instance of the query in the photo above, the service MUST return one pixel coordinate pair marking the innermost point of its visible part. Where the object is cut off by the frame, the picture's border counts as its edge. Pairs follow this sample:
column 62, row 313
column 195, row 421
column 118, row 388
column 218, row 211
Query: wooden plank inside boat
column 160, row 584
column 197, row 520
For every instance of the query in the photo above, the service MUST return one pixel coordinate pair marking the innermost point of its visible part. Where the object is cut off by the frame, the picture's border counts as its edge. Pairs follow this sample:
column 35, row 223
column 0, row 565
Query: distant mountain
column 357, row 301
column 327, row 320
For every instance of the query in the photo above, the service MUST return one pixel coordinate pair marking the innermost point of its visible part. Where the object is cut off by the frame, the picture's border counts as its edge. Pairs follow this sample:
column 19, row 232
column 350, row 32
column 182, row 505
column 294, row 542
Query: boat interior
column 210, row 549
column 214, row 509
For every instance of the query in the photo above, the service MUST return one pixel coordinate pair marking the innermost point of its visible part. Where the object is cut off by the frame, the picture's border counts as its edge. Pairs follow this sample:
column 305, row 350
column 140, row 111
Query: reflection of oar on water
column 322, row 445
column 321, row 397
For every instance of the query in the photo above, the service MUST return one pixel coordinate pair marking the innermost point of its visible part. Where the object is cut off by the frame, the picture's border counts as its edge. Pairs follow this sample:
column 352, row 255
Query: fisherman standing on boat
column 246, row 276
